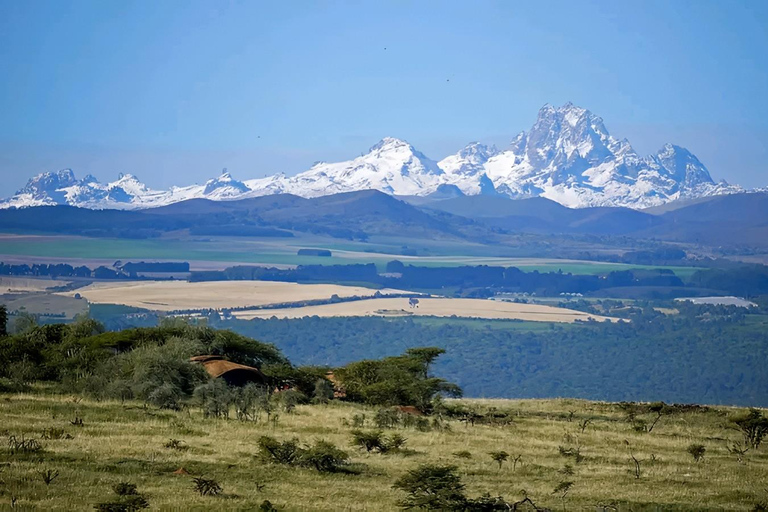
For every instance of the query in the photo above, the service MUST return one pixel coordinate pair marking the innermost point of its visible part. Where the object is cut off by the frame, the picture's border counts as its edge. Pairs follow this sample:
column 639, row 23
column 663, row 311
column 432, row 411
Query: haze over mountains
column 568, row 156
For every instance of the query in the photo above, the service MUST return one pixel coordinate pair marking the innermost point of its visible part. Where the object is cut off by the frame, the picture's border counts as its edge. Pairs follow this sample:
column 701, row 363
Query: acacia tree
column 400, row 380
column 753, row 426
column 432, row 487
column 499, row 457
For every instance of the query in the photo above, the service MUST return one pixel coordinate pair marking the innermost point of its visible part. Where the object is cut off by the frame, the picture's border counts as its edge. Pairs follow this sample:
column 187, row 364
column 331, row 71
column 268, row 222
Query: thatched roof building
column 234, row 374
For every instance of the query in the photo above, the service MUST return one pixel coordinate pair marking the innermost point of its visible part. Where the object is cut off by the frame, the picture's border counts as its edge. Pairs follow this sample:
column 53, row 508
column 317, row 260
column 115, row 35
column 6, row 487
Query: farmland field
column 220, row 252
column 176, row 295
column 128, row 442
column 437, row 307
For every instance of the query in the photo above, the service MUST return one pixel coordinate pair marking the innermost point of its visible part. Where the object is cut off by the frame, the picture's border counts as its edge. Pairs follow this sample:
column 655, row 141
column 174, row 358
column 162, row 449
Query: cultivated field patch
column 438, row 307
column 182, row 295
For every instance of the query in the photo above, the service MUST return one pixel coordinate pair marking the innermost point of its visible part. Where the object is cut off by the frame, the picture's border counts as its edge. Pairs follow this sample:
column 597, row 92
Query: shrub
column 48, row 475
column 54, row 433
column 395, row 442
column 387, row 418
column 206, row 486
column 23, row 445
column 175, row 444
column 125, row 489
column 697, row 451
column 324, row 457
column 272, row 450
column 371, row 441
column 432, row 487
column 267, row 506
column 128, row 499
column 376, row 441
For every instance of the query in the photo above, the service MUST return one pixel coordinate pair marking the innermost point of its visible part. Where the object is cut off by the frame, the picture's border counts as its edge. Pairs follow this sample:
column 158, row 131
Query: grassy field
column 38, row 303
column 124, row 442
column 433, row 307
column 281, row 252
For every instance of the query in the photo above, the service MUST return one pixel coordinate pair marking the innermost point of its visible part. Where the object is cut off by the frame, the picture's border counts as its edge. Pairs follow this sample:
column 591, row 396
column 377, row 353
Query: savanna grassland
column 589, row 444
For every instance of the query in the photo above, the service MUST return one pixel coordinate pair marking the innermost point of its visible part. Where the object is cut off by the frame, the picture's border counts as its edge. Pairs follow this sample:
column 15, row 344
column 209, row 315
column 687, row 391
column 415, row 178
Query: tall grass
column 125, row 442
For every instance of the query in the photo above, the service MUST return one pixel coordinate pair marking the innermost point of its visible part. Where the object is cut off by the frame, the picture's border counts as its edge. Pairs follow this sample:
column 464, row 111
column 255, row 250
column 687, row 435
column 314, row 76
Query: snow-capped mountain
column 567, row 156
column 392, row 166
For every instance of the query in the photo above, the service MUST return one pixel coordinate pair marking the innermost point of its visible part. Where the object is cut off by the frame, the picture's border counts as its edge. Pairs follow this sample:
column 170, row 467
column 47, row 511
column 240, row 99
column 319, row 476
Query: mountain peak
column 389, row 143
column 225, row 185
column 567, row 156
column 49, row 182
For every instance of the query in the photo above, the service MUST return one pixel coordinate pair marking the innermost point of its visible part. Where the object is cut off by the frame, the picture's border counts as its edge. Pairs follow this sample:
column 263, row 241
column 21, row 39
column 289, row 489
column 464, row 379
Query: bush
column 128, row 499
column 697, row 451
column 371, row 441
column 432, row 487
column 206, row 486
column 274, row 451
column 322, row 456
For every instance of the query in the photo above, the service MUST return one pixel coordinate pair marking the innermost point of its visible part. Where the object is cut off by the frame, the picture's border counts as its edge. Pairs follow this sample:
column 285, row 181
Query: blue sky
column 175, row 91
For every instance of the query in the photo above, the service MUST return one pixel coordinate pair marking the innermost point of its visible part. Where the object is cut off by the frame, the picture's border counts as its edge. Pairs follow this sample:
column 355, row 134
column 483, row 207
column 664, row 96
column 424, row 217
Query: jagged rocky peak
column 49, row 182
column 390, row 144
column 225, row 181
column 568, row 156
column 563, row 136
column 682, row 166
column 478, row 153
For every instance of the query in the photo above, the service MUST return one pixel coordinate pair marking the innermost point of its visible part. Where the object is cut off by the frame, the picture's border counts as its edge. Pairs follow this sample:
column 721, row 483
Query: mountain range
column 568, row 156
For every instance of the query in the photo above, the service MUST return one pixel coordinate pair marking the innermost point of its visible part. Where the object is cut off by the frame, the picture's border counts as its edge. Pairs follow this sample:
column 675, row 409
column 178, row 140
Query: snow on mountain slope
column 392, row 166
column 567, row 156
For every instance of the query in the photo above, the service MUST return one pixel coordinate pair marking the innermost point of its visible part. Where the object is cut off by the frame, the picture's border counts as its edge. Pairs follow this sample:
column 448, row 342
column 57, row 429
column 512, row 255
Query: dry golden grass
column 441, row 307
column 175, row 295
column 124, row 442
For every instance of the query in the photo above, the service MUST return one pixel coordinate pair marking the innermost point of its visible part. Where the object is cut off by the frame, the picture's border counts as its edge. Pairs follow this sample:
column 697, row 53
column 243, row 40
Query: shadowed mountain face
column 567, row 156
